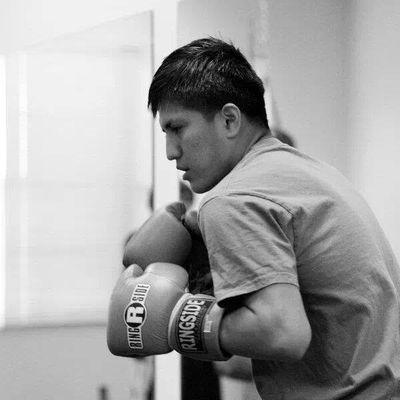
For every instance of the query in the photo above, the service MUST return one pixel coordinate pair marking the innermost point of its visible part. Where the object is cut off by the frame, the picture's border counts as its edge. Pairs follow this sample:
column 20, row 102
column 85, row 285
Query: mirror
column 79, row 169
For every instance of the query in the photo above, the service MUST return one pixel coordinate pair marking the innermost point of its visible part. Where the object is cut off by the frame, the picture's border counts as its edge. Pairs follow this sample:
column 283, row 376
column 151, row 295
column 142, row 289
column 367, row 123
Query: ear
column 232, row 119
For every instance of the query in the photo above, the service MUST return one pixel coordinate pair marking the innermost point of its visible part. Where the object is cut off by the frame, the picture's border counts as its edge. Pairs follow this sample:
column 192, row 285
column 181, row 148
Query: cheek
column 201, row 149
column 205, row 156
column 195, row 149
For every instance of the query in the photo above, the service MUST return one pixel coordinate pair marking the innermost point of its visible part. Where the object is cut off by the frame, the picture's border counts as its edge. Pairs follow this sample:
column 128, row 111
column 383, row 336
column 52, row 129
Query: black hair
column 206, row 74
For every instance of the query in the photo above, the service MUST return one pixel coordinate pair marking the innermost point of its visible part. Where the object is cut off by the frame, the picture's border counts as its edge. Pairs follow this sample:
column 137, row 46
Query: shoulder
column 236, row 214
column 274, row 171
column 241, row 202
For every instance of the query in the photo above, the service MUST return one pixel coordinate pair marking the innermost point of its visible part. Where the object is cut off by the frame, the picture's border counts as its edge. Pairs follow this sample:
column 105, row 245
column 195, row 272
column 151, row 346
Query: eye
column 176, row 129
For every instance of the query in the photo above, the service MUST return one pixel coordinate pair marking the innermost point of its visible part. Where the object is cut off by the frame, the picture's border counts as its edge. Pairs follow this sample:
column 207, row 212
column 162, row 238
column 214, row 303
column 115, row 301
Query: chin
column 198, row 187
column 195, row 188
column 198, row 190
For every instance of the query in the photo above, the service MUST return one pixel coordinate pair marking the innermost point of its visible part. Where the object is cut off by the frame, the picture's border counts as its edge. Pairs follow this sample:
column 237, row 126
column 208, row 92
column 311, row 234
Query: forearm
column 241, row 334
column 275, row 333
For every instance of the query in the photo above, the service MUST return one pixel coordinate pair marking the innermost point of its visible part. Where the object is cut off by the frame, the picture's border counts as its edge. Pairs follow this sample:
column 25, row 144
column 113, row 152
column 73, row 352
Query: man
column 308, row 281
column 236, row 375
column 305, row 278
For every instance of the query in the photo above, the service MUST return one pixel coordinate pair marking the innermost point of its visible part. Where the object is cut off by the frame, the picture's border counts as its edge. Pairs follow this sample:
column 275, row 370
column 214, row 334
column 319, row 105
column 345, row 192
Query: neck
column 249, row 135
column 254, row 134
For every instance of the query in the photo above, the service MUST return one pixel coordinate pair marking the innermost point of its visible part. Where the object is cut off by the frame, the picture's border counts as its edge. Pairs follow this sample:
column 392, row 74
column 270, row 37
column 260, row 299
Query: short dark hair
column 206, row 74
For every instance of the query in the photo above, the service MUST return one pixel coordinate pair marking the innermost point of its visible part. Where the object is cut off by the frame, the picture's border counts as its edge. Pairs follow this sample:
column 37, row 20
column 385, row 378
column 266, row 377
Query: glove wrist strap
column 194, row 328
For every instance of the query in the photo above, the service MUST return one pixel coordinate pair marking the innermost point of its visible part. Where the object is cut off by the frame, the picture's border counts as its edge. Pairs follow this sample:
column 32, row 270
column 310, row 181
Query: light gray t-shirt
column 282, row 217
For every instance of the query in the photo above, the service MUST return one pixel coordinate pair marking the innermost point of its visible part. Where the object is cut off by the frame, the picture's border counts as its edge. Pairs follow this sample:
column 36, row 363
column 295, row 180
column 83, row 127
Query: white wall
column 25, row 22
column 228, row 20
column 308, row 70
column 374, row 109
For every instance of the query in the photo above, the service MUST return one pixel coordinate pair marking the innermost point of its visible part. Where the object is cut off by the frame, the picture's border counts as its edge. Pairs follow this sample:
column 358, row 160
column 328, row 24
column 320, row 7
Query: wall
column 308, row 70
column 226, row 20
column 25, row 22
column 374, row 108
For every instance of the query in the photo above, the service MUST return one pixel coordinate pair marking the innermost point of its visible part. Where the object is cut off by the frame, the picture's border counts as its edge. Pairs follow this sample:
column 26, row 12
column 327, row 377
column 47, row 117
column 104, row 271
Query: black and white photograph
column 199, row 200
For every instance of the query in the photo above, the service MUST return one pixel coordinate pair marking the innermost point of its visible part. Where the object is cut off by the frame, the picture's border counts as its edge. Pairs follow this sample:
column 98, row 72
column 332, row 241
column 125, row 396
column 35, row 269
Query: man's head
column 211, row 106
column 206, row 74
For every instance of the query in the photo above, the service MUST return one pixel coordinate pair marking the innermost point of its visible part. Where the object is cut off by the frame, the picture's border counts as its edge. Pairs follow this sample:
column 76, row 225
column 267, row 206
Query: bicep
column 270, row 323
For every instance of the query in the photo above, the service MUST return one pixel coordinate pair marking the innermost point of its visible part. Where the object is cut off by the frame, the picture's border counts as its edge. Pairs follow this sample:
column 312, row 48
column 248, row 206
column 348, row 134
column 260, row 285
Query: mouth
column 185, row 173
column 182, row 171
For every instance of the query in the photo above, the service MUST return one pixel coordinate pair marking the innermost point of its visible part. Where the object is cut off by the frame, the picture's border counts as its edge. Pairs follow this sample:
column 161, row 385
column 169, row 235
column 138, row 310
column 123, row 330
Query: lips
column 183, row 171
column 185, row 175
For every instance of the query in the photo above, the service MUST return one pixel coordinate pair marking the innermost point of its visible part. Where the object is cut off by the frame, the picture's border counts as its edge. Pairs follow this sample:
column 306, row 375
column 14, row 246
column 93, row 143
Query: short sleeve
column 250, row 242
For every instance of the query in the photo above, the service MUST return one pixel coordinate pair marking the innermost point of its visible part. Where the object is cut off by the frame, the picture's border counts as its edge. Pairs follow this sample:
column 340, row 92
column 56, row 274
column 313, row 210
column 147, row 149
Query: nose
column 173, row 147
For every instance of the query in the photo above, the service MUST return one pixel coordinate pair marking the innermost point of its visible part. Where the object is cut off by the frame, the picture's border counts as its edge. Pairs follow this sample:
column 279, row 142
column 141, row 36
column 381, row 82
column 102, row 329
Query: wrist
column 194, row 327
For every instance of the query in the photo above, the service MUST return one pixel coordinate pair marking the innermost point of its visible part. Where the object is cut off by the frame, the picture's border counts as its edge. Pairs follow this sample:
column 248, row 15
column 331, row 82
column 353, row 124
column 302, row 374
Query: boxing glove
column 140, row 308
column 162, row 238
column 150, row 313
column 194, row 328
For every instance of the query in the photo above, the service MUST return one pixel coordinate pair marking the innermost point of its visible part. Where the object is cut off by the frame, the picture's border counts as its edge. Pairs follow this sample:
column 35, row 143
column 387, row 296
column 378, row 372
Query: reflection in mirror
column 78, row 169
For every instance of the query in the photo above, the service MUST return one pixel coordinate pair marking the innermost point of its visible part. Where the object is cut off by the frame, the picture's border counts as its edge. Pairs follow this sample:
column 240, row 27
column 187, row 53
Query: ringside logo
column 135, row 315
column 189, row 325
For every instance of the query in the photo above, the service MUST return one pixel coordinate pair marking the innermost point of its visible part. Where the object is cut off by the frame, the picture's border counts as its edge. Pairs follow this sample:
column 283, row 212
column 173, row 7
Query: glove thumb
column 177, row 209
column 133, row 271
column 191, row 224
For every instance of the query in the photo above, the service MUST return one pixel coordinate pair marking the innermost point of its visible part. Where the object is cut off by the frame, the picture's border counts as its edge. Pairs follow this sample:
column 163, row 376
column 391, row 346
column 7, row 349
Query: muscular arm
column 250, row 240
column 270, row 323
